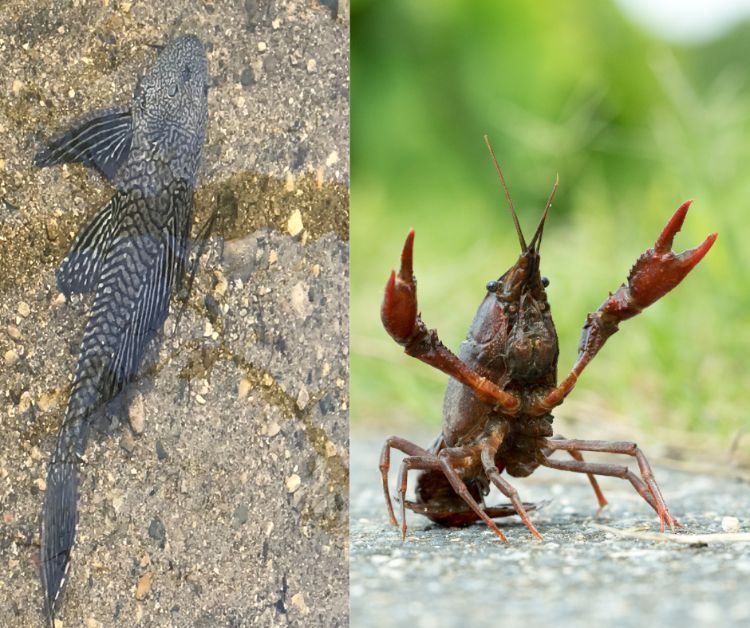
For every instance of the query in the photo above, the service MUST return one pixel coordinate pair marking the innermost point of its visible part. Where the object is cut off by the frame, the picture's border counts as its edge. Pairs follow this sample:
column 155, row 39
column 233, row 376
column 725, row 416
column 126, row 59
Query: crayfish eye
column 513, row 308
column 545, row 282
column 492, row 286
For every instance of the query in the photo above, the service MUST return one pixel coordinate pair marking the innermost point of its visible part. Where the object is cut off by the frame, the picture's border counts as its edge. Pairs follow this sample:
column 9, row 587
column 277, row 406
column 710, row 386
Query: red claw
column 399, row 309
column 659, row 269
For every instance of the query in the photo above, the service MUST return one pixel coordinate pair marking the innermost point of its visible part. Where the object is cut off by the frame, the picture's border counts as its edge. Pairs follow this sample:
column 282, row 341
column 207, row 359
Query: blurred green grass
column 633, row 125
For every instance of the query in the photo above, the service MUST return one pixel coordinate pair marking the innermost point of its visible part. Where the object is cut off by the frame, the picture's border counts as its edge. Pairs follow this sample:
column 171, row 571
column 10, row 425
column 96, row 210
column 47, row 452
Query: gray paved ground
column 578, row 576
column 230, row 508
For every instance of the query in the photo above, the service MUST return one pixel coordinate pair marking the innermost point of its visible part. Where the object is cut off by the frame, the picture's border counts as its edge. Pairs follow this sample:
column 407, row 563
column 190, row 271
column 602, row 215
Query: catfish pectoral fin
column 101, row 140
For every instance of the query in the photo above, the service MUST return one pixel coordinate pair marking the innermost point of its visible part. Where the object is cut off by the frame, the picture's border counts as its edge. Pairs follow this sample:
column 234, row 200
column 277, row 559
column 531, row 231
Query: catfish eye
column 492, row 286
column 545, row 282
column 186, row 73
column 172, row 90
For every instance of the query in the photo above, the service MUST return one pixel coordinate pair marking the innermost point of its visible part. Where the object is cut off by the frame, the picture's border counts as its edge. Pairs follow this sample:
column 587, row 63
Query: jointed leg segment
column 647, row 487
column 507, row 489
column 458, row 485
column 404, row 446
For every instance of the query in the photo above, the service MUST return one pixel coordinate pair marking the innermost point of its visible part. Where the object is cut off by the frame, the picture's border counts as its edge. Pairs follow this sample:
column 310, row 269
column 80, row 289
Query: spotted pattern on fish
column 131, row 255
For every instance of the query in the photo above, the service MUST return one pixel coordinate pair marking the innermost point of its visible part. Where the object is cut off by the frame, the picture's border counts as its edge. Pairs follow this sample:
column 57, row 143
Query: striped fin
column 151, row 305
column 101, row 140
column 59, row 522
column 79, row 271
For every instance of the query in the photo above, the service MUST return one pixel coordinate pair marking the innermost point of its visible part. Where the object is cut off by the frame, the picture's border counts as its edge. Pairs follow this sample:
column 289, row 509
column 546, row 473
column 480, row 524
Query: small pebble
column 247, row 79
column 161, row 453
column 273, row 428
column 730, row 524
column 303, row 398
column 294, row 224
column 243, row 390
column 144, row 585
column 300, row 301
column 46, row 400
column 293, row 482
column 157, row 532
column 11, row 357
column 52, row 229
column 137, row 415
column 298, row 601
column 17, row 87
column 312, row 66
column 24, row 309
column 14, row 332
column 25, row 402
column 262, row 47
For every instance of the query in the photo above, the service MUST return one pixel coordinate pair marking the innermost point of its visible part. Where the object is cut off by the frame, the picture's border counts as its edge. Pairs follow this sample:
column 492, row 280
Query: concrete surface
column 578, row 576
column 229, row 508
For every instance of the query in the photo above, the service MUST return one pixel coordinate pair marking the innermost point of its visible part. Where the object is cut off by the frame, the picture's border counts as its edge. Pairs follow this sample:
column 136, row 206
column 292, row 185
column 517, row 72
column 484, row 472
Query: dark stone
column 326, row 405
column 279, row 344
column 212, row 308
column 240, row 515
column 157, row 532
column 247, row 78
column 161, row 453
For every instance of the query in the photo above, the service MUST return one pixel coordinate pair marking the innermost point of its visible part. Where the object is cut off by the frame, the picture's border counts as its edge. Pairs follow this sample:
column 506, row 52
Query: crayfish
column 503, row 383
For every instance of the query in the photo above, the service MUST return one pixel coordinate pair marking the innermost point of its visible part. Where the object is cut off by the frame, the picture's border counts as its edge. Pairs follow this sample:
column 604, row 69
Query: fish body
column 131, row 255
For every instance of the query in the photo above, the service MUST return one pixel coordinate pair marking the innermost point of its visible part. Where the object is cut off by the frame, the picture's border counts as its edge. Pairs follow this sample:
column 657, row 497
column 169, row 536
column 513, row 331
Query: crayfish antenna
column 540, row 226
column 521, row 239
